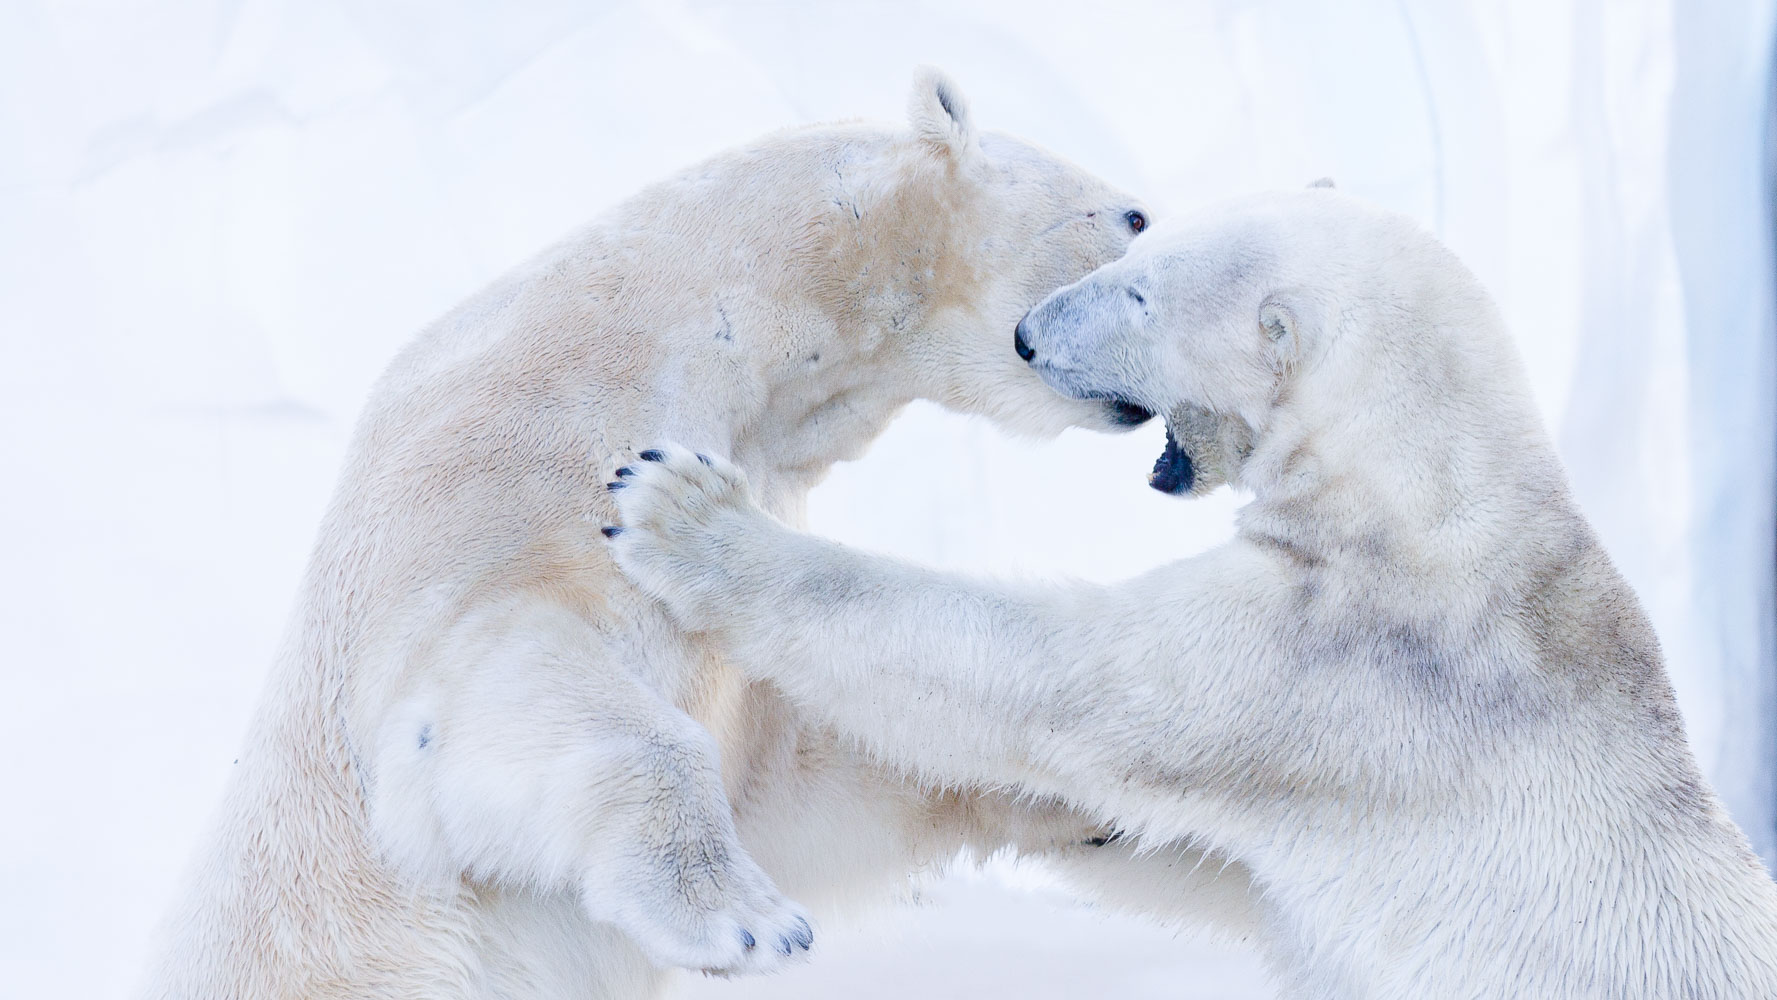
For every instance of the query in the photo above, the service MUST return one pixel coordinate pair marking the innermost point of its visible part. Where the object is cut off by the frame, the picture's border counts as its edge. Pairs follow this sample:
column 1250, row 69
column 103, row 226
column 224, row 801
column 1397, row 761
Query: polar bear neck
column 1413, row 443
column 828, row 342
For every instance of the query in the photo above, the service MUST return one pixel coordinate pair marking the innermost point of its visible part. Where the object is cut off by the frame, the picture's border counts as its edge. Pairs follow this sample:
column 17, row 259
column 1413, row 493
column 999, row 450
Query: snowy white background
column 219, row 220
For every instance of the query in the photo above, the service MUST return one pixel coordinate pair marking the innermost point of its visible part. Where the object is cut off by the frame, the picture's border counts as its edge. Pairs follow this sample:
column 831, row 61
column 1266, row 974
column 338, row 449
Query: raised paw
column 682, row 513
column 671, row 489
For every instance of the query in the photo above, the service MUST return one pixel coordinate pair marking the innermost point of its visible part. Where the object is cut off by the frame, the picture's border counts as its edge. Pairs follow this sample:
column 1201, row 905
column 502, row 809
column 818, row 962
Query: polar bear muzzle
column 1119, row 412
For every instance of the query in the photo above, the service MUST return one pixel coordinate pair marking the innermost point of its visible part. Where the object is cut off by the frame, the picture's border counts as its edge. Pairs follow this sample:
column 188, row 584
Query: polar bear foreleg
column 1057, row 690
column 958, row 681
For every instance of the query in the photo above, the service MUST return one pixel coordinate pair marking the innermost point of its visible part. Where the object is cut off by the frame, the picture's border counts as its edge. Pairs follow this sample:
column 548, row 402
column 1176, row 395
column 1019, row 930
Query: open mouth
column 1173, row 472
column 1127, row 414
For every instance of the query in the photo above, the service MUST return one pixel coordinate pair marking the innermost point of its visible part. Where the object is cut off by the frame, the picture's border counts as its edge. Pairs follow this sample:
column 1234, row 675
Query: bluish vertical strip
column 1720, row 195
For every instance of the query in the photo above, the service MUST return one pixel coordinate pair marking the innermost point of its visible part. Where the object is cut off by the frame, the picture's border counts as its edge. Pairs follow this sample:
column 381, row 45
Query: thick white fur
column 485, row 765
column 1413, row 697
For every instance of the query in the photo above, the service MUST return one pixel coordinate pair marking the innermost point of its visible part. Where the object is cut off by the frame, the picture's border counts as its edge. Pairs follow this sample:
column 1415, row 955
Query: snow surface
column 219, row 220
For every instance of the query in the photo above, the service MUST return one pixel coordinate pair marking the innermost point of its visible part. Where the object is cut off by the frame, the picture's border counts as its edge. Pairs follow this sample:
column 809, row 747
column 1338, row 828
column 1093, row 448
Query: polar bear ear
column 939, row 114
column 1282, row 329
column 1324, row 182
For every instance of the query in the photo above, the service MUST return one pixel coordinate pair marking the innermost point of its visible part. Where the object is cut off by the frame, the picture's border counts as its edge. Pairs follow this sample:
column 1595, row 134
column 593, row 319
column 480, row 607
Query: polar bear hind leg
column 528, row 759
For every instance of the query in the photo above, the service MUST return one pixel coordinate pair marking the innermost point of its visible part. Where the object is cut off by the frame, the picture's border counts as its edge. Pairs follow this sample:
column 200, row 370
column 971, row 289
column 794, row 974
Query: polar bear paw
column 675, row 488
column 755, row 934
column 686, row 520
column 728, row 923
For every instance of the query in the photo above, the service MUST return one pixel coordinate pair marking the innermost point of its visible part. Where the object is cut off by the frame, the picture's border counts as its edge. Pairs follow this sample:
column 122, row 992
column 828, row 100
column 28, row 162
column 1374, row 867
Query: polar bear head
column 963, row 231
column 1217, row 323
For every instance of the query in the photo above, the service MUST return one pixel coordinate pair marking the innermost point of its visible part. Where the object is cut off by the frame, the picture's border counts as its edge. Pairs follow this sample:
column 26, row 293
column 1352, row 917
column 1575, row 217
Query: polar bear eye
column 1137, row 221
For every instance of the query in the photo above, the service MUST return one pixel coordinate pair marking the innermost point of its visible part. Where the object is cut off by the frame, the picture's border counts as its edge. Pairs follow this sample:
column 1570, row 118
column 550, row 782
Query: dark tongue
column 1172, row 473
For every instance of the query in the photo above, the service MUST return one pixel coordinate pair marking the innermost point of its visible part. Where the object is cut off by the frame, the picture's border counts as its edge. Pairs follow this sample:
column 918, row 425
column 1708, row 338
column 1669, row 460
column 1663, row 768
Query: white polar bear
column 1413, row 697
column 487, row 766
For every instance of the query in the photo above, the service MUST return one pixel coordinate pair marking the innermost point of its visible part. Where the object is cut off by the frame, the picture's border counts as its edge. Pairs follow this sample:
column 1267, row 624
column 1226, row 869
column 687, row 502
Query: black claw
column 746, row 939
column 805, row 936
column 651, row 455
column 1115, row 836
column 705, row 459
column 625, row 472
column 611, row 531
column 615, row 486
column 784, row 946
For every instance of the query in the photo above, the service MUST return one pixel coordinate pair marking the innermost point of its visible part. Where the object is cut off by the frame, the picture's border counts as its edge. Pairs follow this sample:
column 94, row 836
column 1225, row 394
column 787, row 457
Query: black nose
column 1020, row 345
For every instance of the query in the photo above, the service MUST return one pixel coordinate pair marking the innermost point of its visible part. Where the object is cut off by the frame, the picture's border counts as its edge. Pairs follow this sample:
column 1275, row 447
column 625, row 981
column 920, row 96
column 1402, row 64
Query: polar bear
column 1413, row 697
column 487, row 766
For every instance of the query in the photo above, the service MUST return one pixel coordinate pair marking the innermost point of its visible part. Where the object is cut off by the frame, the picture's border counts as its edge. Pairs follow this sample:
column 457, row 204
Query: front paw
column 685, row 521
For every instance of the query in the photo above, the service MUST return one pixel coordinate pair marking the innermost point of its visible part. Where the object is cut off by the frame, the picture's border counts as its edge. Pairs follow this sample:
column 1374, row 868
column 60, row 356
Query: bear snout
column 1020, row 344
